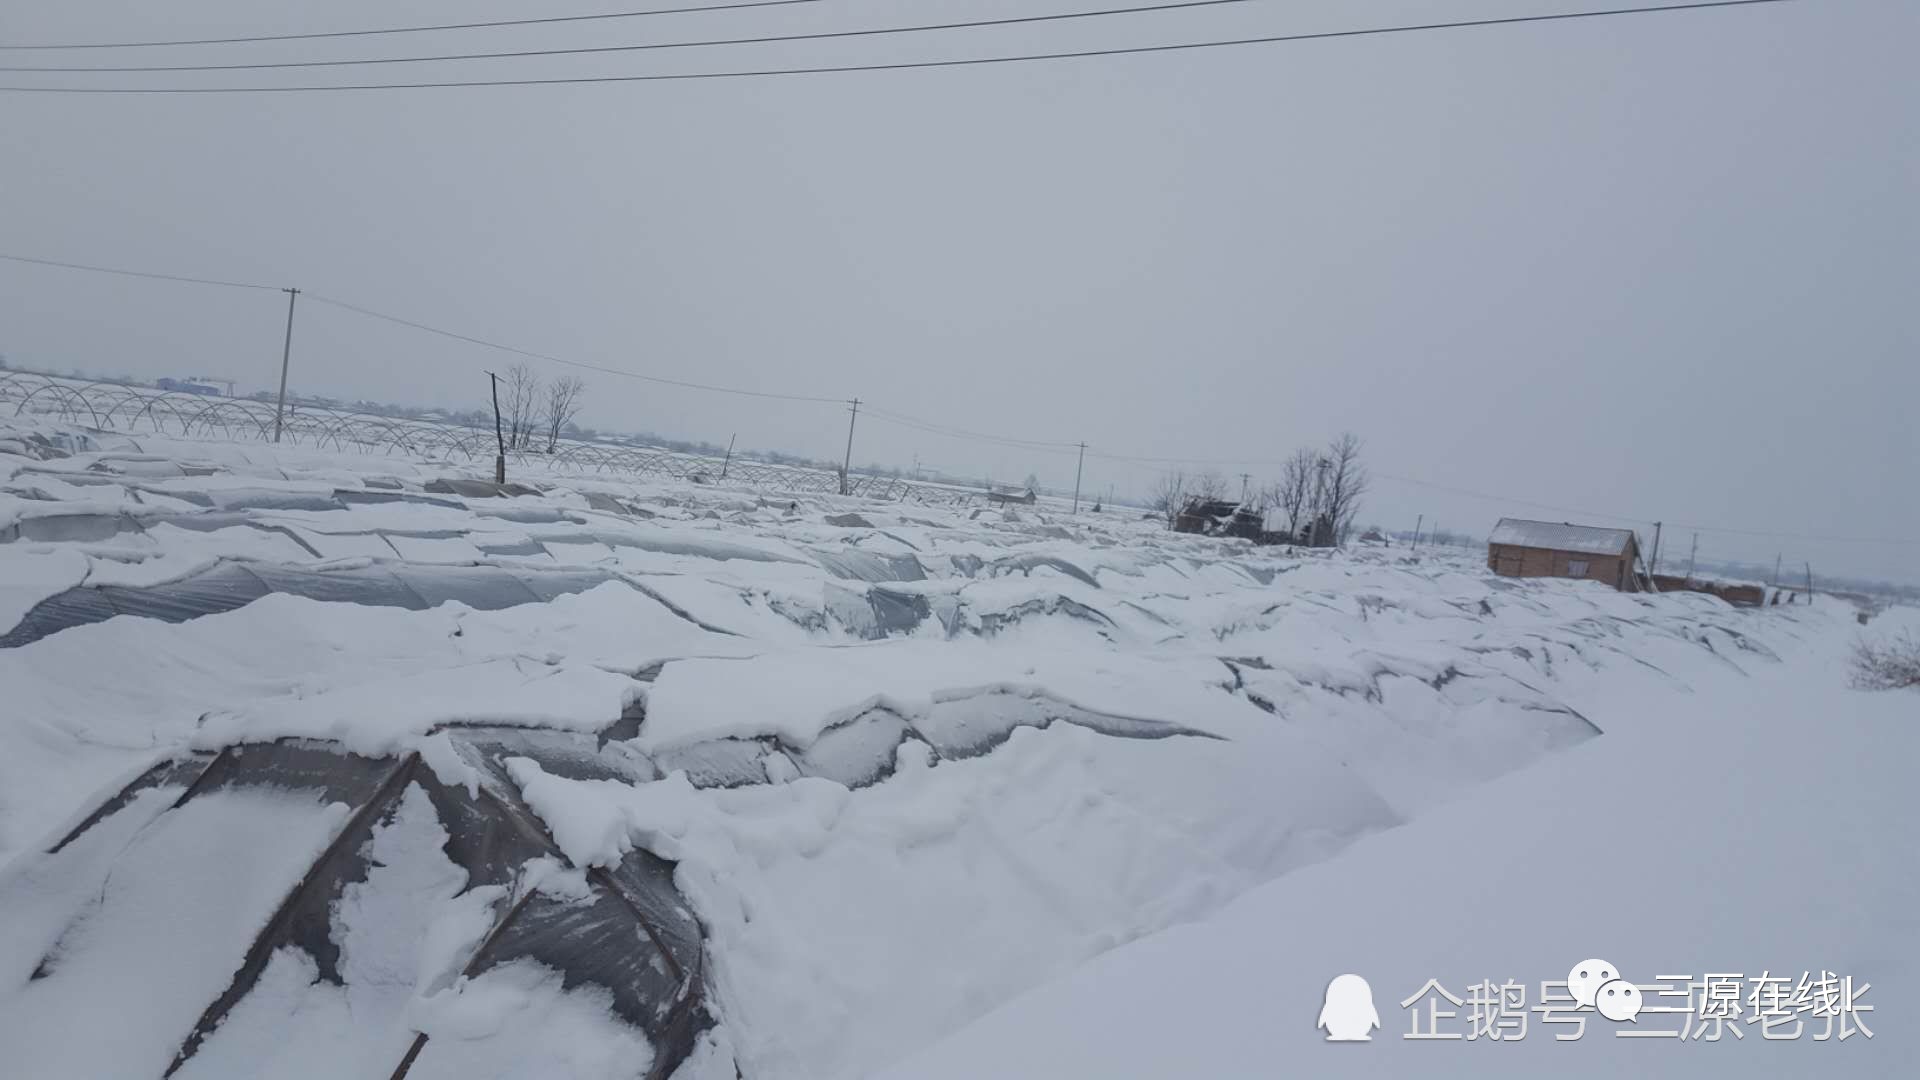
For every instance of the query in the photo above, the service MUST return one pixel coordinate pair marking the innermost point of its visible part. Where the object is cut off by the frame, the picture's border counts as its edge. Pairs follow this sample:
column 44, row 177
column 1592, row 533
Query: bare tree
column 1293, row 493
column 1261, row 499
column 1345, row 482
column 563, row 403
column 1892, row 663
column 519, row 400
column 1209, row 486
column 1168, row 496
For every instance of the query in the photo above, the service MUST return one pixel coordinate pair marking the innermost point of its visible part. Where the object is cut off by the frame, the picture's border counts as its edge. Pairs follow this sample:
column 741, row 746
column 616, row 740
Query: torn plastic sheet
column 1027, row 564
column 69, row 528
column 229, row 585
column 351, row 497
column 624, row 930
column 968, row 725
column 727, row 763
column 661, row 541
column 867, row 566
column 862, row 750
column 477, row 489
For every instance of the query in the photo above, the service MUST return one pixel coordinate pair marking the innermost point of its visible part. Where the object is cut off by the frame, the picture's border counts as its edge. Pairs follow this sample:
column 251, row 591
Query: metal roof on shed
column 1561, row 536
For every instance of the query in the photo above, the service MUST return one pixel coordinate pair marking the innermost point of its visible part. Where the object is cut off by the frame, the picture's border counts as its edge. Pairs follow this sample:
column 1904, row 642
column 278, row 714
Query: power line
column 897, row 66
column 1028, row 448
column 820, row 35
column 1141, row 459
column 1505, row 498
column 370, row 313
column 903, row 420
column 928, row 426
column 138, row 273
column 1898, row 540
column 408, row 29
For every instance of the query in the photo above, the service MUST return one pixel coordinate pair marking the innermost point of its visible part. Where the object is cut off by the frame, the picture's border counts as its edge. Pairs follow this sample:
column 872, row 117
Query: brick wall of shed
column 1510, row 561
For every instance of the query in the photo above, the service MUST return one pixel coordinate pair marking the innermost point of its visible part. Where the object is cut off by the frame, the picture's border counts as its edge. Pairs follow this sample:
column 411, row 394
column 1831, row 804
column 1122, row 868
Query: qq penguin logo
column 1348, row 1013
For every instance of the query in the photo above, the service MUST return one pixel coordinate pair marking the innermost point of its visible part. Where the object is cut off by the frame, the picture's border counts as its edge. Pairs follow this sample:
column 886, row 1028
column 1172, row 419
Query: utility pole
column 1776, row 569
column 846, row 467
column 1656, row 548
column 499, row 459
column 1244, row 477
column 729, row 457
column 1417, row 521
column 1076, row 477
column 286, row 354
column 1809, row 583
column 1692, row 555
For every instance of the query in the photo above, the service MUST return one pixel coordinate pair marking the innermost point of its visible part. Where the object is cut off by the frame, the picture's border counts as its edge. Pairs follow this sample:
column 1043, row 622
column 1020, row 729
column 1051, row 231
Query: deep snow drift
column 1759, row 828
column 309, row 770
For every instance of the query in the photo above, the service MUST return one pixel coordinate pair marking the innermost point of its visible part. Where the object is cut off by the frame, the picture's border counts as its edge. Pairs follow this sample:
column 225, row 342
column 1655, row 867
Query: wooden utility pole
column 1692, row 555
column 1776, row 569
column 1080, row 465
column 500, row 458
column 1656, row 549
column 1418, row 519
column 1809, row 583
column 729, row 458
column 846, row 467
column 286, row 355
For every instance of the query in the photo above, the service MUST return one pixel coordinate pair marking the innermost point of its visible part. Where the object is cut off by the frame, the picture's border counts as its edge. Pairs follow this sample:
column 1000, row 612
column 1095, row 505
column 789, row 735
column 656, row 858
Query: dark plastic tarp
column 633, row 934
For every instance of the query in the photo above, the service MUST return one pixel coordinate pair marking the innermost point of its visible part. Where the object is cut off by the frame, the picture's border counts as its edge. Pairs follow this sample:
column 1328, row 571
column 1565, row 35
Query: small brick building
column 1523, row 548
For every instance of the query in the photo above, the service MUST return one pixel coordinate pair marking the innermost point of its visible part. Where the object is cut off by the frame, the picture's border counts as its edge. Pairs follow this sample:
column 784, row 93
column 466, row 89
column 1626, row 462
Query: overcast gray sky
column 1654, row 266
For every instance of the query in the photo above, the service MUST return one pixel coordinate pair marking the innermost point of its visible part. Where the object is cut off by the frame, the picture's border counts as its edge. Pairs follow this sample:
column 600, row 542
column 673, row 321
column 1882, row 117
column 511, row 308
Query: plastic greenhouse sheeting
column 68, row 528
column 229, row 585
column 166, row 844
column 867, row 566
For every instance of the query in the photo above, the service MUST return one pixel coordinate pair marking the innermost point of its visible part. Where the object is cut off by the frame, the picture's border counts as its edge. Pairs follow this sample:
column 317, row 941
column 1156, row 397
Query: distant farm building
column 1319, row 532
column 1219, row 517
column 1735, row 593
column 185, row 386
column 1004, row 496
column 1522, row 548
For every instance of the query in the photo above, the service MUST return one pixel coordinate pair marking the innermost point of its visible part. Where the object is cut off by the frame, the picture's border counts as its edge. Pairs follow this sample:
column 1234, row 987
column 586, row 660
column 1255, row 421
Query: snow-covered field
column 1761, row 826
column 317, row 765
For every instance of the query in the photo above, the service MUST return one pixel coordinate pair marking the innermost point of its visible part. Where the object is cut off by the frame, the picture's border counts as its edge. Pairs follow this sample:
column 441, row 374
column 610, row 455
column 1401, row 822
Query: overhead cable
column 581, row 80
column 518, row 54
column 317, row 35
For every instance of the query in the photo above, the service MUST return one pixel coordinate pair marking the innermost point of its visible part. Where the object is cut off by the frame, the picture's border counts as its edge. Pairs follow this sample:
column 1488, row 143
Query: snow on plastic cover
column 230, row 585
column 623, row 779
column 317, row 823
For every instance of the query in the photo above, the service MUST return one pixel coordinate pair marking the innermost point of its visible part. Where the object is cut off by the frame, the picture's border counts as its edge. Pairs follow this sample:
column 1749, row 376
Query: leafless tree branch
column 1169, row 495
column 1209, row 486
column 563, row 404
column 517, row 406
column 1294, row 490
column 1346, row 481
